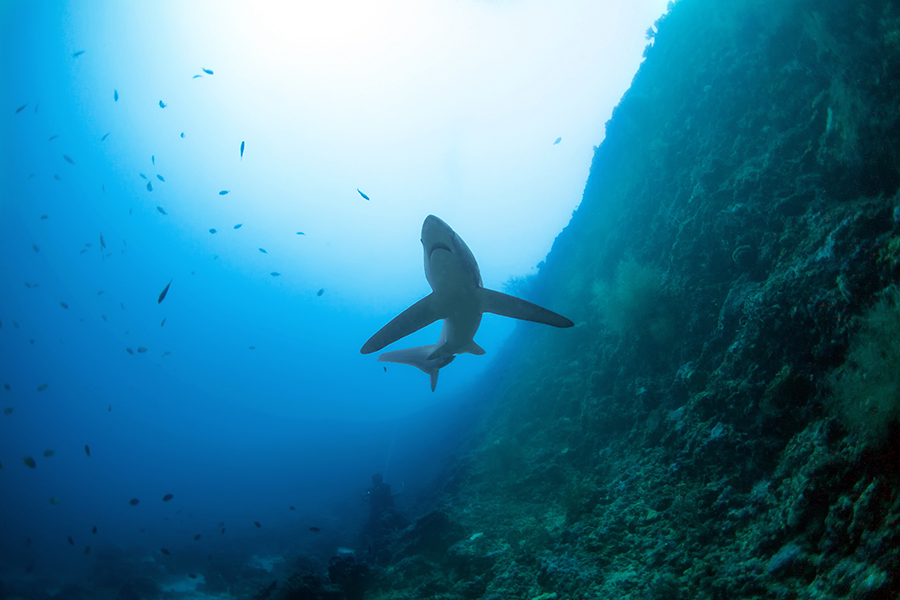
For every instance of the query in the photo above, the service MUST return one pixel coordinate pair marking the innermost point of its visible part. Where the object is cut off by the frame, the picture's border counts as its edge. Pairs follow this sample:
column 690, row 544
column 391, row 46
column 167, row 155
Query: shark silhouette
column 458, row 297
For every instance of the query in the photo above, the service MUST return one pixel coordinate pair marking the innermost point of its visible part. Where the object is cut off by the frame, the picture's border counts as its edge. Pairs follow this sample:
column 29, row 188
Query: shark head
column 444, row 250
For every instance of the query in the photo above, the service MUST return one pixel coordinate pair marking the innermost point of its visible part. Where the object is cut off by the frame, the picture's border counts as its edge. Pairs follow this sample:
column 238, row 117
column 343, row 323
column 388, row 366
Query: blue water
column 252, row 396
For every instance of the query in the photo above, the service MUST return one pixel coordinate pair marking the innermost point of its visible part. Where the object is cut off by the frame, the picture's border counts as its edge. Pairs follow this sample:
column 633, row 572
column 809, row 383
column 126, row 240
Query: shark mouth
column 439, row 246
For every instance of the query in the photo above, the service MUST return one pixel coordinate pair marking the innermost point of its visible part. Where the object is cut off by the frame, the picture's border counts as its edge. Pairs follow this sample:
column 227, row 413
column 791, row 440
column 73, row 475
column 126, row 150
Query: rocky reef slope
column 722, row 422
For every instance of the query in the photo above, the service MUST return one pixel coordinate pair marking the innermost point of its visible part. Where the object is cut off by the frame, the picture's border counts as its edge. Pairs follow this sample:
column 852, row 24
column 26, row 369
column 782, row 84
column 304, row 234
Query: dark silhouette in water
column 379, row 498
column 383, row 518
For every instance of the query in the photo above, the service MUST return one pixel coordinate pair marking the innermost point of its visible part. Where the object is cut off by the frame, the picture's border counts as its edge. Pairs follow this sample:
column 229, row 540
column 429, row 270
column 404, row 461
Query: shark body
column 458, row 297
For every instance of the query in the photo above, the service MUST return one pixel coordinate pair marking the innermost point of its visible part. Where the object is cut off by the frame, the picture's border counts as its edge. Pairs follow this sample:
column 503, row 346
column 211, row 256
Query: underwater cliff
column 722, row 421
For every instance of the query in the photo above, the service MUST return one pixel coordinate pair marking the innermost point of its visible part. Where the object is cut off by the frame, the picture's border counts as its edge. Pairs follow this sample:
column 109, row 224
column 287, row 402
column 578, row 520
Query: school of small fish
column 105, row 253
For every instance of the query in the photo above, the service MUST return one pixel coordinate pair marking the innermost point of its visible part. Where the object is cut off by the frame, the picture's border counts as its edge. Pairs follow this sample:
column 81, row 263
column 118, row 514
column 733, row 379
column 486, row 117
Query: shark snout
column 436, row 235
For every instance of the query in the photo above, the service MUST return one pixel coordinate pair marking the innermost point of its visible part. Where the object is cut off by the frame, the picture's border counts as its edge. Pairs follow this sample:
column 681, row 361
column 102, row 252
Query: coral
column 867, row 388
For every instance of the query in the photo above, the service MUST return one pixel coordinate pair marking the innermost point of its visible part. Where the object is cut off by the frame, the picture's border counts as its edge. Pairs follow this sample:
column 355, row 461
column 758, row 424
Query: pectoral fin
column 510, row 306
column 419, row 315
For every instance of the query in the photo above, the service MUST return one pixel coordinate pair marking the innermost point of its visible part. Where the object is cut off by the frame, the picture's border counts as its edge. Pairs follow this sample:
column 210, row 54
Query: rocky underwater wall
column 722, row 421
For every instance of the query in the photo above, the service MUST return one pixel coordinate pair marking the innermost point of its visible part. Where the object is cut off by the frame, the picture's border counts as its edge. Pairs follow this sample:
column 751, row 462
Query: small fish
column 223, row 531
column 129, row 351
column 385, row 369
column 252, row 347
column 21, row 108
column 115, row 95
column 182, row 134
column 196, row 76
column 42, row 387
column 104, row 317
column 160, row 177
column 161, row 104
column 109, row 409
column 192, row 576
column 77, row 54
column 162, row 294
column 242, row 150
column 163, row 322
column 87, row 450
column 54, row 501
column 207, row 71
column 223, row 192
column 71, row 541
column 167, row 353
column 68, row 159
column 300, row 233
column 48, row 453
column 103, row 139
column 141, row 349
column 29, row 462
column 167, row 497
column 142, row 176
column 153, row 159
column 557, row 140
column 103, row 187
column 164, row 551
column 197, row 537
column 315, row 529
column 162, row 210
column 361, row 194
column 275, row 274
column 134, row 502
column 212, row 230
column 149, row 186
column 239, row 225
column 87, row 550
column 320, row 292
column 35, row 248
column 7, row 411
column 263, row 250
column 291, row 508
column 52, row 137
column 83, row 250
column 64, row 305
column 36, row 107
column 94, row 530
column 257, row 523
column 102, row 243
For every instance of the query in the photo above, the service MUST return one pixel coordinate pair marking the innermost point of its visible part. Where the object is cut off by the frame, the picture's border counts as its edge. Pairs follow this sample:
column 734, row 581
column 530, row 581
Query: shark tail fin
column 516, row 308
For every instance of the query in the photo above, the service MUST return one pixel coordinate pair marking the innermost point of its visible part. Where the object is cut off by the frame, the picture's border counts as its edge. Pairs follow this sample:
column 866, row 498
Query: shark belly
column 456, row 300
